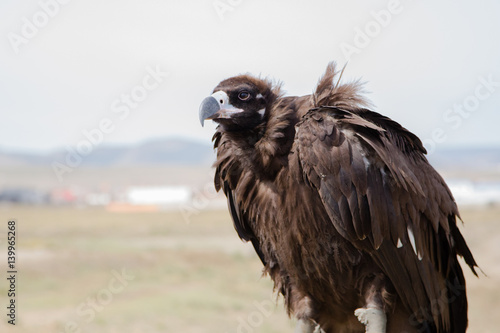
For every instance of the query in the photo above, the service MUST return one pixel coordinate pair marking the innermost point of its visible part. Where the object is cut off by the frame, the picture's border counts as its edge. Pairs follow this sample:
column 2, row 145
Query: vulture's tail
column 457, row 299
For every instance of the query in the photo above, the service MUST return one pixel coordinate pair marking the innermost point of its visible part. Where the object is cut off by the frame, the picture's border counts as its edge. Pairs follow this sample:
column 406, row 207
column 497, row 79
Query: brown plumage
column 341, row 206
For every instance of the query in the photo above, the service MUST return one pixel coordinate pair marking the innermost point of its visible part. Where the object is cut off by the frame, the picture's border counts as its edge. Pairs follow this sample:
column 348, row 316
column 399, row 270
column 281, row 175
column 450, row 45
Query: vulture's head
column 238, row 103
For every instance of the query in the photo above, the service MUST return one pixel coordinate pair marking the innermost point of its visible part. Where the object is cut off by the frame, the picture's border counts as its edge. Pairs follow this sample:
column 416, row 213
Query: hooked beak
column 217, row 107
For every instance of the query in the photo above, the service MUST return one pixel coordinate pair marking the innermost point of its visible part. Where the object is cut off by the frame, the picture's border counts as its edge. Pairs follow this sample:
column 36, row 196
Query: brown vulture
column 354, row 226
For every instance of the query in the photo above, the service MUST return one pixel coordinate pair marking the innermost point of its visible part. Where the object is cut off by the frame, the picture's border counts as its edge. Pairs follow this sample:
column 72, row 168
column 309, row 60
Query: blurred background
column 107, row 171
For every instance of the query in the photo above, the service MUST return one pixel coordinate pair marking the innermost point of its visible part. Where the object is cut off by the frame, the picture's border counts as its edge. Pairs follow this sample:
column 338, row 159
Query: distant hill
column 179, row 152
column 472, row 159
column 167, row 151
column 173, row 161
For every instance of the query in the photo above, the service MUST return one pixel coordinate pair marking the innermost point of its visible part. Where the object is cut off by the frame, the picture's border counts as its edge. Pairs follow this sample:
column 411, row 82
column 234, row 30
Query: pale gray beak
column 209, row 106
column 217, row 106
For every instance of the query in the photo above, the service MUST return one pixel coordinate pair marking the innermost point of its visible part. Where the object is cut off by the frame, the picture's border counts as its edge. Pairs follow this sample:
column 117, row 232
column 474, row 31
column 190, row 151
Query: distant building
column 23, row 196
column 158, row 195
column 151, row 198
column 63, row 196
column 467, row 192
column 98, row 199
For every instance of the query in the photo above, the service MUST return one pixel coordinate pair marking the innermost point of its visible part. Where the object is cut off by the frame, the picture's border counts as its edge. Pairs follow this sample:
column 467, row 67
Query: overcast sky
column 67, row 67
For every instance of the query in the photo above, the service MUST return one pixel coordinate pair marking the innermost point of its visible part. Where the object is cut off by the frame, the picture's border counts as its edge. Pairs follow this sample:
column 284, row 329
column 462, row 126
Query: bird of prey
column 354, row 226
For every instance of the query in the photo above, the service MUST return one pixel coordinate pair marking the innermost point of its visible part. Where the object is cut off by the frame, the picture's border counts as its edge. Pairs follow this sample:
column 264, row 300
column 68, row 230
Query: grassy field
column 95, row 271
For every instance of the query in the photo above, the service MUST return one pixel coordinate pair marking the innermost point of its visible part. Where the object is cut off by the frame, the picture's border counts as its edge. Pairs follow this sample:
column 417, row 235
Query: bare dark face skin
column 236, row 104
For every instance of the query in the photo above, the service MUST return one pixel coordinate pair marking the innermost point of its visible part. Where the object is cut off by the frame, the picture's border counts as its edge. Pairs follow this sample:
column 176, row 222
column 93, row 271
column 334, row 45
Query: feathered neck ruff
column 271, row 141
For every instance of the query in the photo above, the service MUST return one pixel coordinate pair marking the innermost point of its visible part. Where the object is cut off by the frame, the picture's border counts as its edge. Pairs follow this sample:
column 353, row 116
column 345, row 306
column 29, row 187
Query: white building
column 467, row 192
column 158, row 195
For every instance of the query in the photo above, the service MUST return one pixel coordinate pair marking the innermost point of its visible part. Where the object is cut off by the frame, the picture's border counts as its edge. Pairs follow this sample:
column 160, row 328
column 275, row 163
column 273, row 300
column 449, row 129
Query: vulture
column 356, row 229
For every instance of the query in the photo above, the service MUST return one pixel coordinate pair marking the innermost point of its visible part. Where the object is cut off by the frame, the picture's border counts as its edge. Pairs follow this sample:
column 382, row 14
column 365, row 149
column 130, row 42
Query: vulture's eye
column 244, row 95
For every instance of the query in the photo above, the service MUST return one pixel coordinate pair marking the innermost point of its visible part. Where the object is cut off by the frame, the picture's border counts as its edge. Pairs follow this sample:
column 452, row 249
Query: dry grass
column 187, row 277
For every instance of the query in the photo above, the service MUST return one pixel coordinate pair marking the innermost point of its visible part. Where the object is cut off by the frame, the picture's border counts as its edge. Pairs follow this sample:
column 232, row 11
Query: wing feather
column 377, row 187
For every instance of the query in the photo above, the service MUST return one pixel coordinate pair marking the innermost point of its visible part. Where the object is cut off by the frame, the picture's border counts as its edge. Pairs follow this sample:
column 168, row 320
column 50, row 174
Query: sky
column 126, row 71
